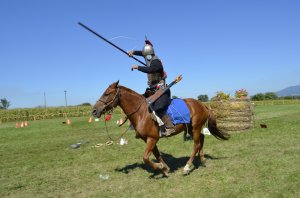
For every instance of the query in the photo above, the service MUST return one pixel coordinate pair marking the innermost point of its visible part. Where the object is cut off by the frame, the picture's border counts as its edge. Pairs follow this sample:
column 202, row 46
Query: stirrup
column 164, row 134
column 162, row 131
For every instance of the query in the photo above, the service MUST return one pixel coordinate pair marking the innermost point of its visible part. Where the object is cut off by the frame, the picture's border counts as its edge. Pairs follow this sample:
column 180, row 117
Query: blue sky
column 216, row 45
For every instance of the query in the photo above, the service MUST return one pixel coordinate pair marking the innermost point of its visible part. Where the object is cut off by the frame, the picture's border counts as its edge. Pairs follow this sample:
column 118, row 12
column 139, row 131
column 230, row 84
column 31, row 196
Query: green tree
column 258, row 97
column 174, row 97
column 271, row 96
column 203, row 98
column 4, row 103
column 85, row 104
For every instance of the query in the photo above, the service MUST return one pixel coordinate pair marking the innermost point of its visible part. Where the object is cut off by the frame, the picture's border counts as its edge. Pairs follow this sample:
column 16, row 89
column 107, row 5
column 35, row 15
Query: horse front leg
column 165, row 167
column 150, row 145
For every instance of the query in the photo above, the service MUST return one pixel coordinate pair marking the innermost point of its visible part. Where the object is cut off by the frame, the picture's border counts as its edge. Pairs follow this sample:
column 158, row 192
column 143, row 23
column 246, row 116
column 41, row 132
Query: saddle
column 179, row 112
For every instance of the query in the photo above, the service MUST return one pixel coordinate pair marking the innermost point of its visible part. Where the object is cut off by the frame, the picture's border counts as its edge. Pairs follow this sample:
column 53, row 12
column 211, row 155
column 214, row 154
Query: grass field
column 37, row 161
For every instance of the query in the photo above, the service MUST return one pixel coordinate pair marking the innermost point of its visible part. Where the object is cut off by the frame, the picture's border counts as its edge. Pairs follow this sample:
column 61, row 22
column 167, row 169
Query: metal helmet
column 148, row 48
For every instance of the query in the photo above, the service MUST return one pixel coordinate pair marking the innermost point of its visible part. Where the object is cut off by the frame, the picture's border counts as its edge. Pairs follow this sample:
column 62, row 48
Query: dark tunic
column 164, row 101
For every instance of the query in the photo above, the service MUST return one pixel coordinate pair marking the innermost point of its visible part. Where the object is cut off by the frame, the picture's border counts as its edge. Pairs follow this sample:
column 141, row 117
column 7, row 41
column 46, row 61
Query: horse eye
column 107, row 93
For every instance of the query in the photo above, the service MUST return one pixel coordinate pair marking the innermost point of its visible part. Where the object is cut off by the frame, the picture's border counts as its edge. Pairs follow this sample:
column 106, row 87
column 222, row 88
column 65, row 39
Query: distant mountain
column 289, row 91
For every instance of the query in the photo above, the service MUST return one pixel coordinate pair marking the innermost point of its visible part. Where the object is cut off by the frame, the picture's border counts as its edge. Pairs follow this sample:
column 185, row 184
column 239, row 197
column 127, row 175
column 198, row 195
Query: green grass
column 37, row 161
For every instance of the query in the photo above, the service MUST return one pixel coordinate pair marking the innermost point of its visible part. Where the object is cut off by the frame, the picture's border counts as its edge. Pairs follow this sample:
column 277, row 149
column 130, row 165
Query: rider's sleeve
column 155, row 66
column 138, row 53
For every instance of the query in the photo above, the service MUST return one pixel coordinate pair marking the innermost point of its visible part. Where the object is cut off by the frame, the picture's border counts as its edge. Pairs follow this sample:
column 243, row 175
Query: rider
column 156, row 80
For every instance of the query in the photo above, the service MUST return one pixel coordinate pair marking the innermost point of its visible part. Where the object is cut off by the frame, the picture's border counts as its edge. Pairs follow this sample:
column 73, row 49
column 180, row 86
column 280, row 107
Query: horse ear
column 117, row 83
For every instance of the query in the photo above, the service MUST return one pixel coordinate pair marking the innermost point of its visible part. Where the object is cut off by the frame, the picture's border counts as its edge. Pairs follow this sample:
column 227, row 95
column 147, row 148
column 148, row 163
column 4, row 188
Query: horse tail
column 214, row 130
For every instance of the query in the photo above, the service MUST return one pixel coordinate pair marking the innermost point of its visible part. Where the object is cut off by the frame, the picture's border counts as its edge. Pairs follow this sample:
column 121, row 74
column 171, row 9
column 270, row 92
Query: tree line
column 4, row 103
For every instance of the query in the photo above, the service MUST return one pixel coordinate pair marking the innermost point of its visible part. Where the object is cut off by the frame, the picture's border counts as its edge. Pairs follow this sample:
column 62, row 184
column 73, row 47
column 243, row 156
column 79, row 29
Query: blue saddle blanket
column 179, row 112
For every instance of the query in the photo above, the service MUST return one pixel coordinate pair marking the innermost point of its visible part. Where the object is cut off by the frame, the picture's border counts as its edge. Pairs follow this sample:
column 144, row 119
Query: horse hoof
column 187, row 169
column 165, row 170
column 165, row 173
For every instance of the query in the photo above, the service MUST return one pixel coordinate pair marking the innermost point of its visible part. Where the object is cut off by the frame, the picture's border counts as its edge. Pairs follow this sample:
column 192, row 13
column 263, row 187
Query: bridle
column 106, row 104
column 111, row 110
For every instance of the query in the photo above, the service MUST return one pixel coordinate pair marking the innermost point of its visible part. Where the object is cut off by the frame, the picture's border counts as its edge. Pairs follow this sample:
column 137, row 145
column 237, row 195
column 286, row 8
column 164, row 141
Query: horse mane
column 130, row 91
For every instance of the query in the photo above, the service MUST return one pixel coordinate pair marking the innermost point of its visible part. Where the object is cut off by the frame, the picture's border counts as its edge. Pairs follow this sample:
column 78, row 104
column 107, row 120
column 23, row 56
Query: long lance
column 89, row 29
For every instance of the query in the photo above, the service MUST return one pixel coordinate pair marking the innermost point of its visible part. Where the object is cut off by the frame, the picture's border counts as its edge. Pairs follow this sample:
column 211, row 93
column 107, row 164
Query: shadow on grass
column 174, row 164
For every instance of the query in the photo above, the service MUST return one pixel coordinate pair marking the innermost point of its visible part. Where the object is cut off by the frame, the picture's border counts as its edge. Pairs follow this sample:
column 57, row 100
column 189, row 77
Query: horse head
column 108, row 100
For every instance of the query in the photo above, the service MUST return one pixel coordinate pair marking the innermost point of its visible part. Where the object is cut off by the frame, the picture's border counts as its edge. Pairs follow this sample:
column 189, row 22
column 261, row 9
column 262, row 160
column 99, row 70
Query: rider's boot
column 170, row 128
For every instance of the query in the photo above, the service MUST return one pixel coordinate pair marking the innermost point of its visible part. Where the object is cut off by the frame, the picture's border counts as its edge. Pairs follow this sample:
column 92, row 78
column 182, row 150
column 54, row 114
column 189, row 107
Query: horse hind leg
column 188, row 167
column 187, row 135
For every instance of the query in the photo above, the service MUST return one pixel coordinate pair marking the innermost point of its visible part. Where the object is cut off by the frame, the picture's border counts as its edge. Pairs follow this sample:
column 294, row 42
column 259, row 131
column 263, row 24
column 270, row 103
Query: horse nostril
column 94, row 112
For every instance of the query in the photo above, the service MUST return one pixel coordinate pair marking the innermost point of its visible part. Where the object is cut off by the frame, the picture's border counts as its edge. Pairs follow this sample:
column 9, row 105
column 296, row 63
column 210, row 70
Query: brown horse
column 136, row 108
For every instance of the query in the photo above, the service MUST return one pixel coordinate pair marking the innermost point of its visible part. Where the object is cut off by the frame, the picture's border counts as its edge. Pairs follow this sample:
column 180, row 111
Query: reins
column 127, row 115
column 110, row 136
